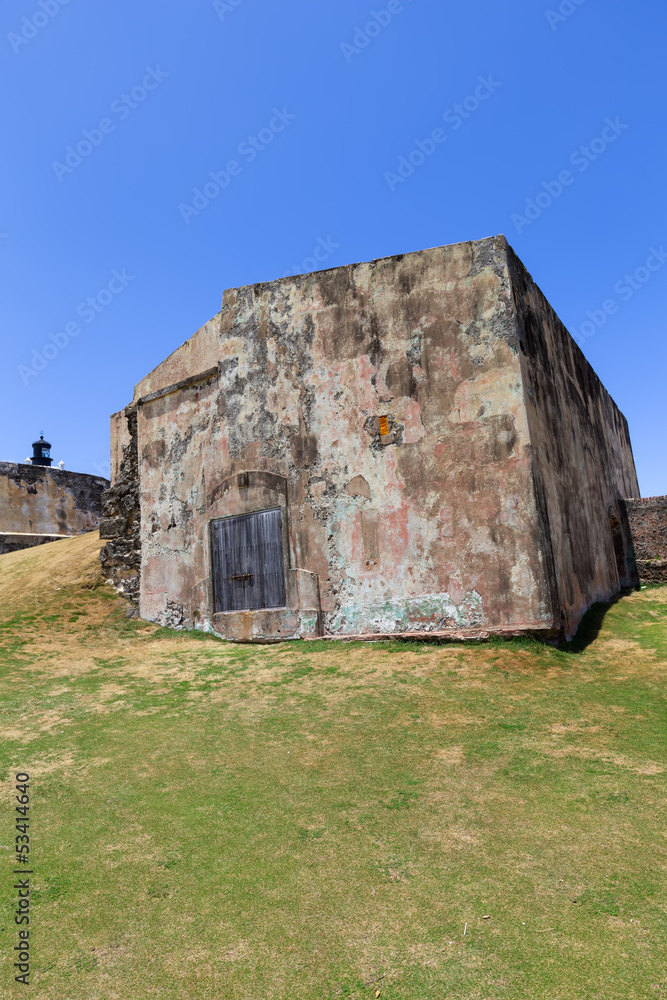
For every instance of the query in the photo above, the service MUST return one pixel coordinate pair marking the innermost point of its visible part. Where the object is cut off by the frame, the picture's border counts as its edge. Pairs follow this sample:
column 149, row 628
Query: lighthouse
column 41, row 452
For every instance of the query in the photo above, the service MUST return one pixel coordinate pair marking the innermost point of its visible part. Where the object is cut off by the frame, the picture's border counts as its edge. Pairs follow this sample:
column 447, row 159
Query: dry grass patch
column 324, row 820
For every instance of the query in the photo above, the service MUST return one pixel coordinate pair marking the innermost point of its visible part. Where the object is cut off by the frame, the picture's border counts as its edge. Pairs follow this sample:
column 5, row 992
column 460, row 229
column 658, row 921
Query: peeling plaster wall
column 431, row 527
column 195, row 355
column 36, row 500
column 583, row 457
column 120, row 439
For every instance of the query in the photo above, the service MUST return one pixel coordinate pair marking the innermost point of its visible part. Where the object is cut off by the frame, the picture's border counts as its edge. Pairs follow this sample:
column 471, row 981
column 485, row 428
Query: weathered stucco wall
column 583, row 457
column 432, row 527
column 444, row 458
column 39, row 501
column 120, row 439
column 647, row 518
column 197, row 354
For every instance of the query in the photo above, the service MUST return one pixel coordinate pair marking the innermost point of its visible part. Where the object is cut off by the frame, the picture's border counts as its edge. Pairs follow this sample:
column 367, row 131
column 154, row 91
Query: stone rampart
column 648, row 524
column 40, row 504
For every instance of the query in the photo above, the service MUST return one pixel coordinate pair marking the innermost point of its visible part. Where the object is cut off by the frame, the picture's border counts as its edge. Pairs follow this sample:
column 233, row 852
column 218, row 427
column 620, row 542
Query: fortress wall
column 648, row 524
column 39, row 501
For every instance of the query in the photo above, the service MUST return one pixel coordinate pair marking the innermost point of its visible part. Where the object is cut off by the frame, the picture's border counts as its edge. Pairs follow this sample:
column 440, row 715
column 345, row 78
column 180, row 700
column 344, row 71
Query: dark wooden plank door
column 248, row 564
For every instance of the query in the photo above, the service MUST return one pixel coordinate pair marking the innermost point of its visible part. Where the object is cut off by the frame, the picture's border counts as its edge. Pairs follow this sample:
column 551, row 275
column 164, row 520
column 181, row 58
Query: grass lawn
column 322, row 820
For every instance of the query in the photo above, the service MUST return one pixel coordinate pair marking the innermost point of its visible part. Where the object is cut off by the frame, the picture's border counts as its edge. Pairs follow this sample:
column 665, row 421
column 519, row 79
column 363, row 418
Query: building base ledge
column 542, row 631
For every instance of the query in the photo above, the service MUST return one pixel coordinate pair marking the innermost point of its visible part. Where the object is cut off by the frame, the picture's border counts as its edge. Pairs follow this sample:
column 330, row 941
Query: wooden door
column 248, row 563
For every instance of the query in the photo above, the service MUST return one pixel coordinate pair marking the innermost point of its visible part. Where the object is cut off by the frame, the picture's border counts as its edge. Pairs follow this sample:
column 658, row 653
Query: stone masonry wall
column 40, row 504
column 121, row 556
column 15, row 541
column 648, row 524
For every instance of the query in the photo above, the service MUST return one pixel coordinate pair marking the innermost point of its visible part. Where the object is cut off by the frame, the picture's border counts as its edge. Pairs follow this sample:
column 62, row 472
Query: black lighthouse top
column 41, row 452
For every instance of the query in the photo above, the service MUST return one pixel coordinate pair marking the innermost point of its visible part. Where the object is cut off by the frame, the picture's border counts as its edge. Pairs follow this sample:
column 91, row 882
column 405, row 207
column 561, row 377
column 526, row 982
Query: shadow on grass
column 590, row 626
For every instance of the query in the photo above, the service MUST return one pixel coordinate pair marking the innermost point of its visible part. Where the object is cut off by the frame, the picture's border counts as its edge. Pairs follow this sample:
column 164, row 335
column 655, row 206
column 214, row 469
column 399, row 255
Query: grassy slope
column 213, row 821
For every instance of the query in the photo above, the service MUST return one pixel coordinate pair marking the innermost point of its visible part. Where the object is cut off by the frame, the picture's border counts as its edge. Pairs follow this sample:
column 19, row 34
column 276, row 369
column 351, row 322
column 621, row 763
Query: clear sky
column 305, row 110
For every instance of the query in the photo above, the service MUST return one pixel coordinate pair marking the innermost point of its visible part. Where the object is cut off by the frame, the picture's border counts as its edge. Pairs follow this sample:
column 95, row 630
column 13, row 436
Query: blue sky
column 334, row 94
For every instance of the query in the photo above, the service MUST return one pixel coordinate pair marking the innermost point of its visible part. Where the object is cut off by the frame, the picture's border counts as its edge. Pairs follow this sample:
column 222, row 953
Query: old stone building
column 40, row 504
column 413, row 445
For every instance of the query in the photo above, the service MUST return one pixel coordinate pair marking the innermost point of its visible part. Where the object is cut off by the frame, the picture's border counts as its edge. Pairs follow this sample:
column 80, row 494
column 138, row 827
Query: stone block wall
column 14, row 541
column 121, row 556
column 40, row 504
column 648, row 523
